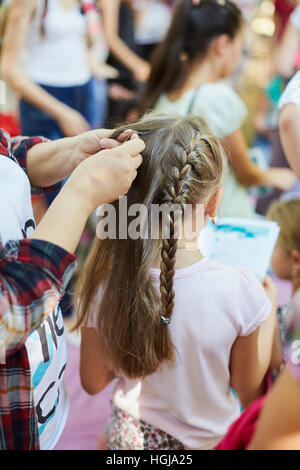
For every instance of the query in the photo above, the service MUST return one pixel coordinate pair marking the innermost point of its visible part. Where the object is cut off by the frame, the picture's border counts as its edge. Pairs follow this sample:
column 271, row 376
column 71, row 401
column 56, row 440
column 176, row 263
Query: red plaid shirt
column 33, row 276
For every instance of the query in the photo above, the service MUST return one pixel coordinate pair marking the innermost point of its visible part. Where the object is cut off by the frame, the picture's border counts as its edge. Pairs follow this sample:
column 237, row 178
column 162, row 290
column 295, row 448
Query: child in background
column 153, row 19
column 286, row 254
column 278, row 421
column 175, row 355
column 202, row 48
column 119, row 28
column 279, row 425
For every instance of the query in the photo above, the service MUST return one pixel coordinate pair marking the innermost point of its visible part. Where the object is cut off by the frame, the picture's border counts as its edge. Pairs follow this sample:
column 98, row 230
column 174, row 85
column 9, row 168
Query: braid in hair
column 176, row 194
column 178, row 185
column 183, row 164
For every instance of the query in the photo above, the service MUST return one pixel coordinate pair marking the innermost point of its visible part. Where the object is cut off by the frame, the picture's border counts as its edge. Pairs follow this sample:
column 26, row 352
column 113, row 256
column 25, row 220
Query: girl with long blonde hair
column 175, row 329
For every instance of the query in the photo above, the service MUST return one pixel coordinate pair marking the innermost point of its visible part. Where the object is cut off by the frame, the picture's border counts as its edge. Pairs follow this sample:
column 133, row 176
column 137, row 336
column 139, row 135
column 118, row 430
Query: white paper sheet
column 240, row 242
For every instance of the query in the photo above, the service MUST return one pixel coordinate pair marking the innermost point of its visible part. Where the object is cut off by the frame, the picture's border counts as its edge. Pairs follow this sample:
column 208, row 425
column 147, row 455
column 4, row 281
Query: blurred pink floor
column 88, row 414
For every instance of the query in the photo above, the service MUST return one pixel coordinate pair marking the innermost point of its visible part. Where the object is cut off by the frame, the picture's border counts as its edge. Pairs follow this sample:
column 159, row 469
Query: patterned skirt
column 128, row 433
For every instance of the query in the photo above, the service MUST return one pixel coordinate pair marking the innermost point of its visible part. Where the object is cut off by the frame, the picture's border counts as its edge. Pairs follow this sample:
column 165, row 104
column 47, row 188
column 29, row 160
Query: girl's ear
column 220, row 44
column 213, row 203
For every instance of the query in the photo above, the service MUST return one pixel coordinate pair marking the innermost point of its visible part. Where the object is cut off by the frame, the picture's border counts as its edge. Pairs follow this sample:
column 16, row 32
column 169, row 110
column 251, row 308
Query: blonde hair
column 183, row 163
column 287, row 215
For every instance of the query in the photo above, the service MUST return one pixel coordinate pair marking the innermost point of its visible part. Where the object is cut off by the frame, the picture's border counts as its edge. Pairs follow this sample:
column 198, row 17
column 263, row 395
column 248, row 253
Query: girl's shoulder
column 233, row 289
column 219, row 89
column 221, row 106
column 248, row 301
column 228, row 278
column 179, row 106
column 291, row 94
column 238, row 276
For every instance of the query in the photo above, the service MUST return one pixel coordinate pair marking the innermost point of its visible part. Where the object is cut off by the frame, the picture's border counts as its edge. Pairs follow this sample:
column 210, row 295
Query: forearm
column 250, row 361
column 254, row 176
column 122, row 53
column 30, row 91
column 64, row 221
column 94, row 384
column 249, row 174
column 246, row 171
column 110, row 10
column 247, row 397
column 289, row 125
column 287, row 51
column 100, row 179
column 279, row 424
column 93, row 380
column 50, row 162
column 277, row 350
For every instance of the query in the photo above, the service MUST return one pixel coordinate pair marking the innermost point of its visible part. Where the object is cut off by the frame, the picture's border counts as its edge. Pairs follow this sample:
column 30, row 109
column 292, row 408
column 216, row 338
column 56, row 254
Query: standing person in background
column 45, row 61
column 98, row 54
column 54, row 80
column 202, row 48
column 153, row 18
column 289, row 47
column 283, row 59
column 119, row 29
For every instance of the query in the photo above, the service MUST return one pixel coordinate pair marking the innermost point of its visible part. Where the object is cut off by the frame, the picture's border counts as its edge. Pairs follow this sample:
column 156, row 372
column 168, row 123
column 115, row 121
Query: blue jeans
column 36, row 122
column 98, row 107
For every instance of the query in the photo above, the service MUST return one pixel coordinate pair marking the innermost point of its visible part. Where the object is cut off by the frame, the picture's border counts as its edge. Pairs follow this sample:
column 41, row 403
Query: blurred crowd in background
column 68, row 70
column 69, row 66
column 74, row 65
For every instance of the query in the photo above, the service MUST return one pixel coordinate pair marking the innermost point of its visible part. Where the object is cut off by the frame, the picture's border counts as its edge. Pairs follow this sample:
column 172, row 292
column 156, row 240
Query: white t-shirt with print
column 46, row 347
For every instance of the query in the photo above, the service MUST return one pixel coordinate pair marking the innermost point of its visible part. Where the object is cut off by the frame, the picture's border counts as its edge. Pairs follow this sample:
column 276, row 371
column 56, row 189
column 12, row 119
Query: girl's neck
column 187, row 254
column 205, row 72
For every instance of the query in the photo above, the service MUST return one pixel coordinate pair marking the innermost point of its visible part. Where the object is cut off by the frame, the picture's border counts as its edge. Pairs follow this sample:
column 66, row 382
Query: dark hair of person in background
column 191, row 32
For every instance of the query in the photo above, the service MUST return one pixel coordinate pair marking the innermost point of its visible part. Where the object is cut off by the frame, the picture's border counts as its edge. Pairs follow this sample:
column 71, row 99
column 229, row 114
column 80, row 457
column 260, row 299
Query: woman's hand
column 82, row 146
column 119, row 92
column 100, row 179
column 142, row 71
column 71, row 122
column 281, row 178
column 50, row 162
column 107, row 175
